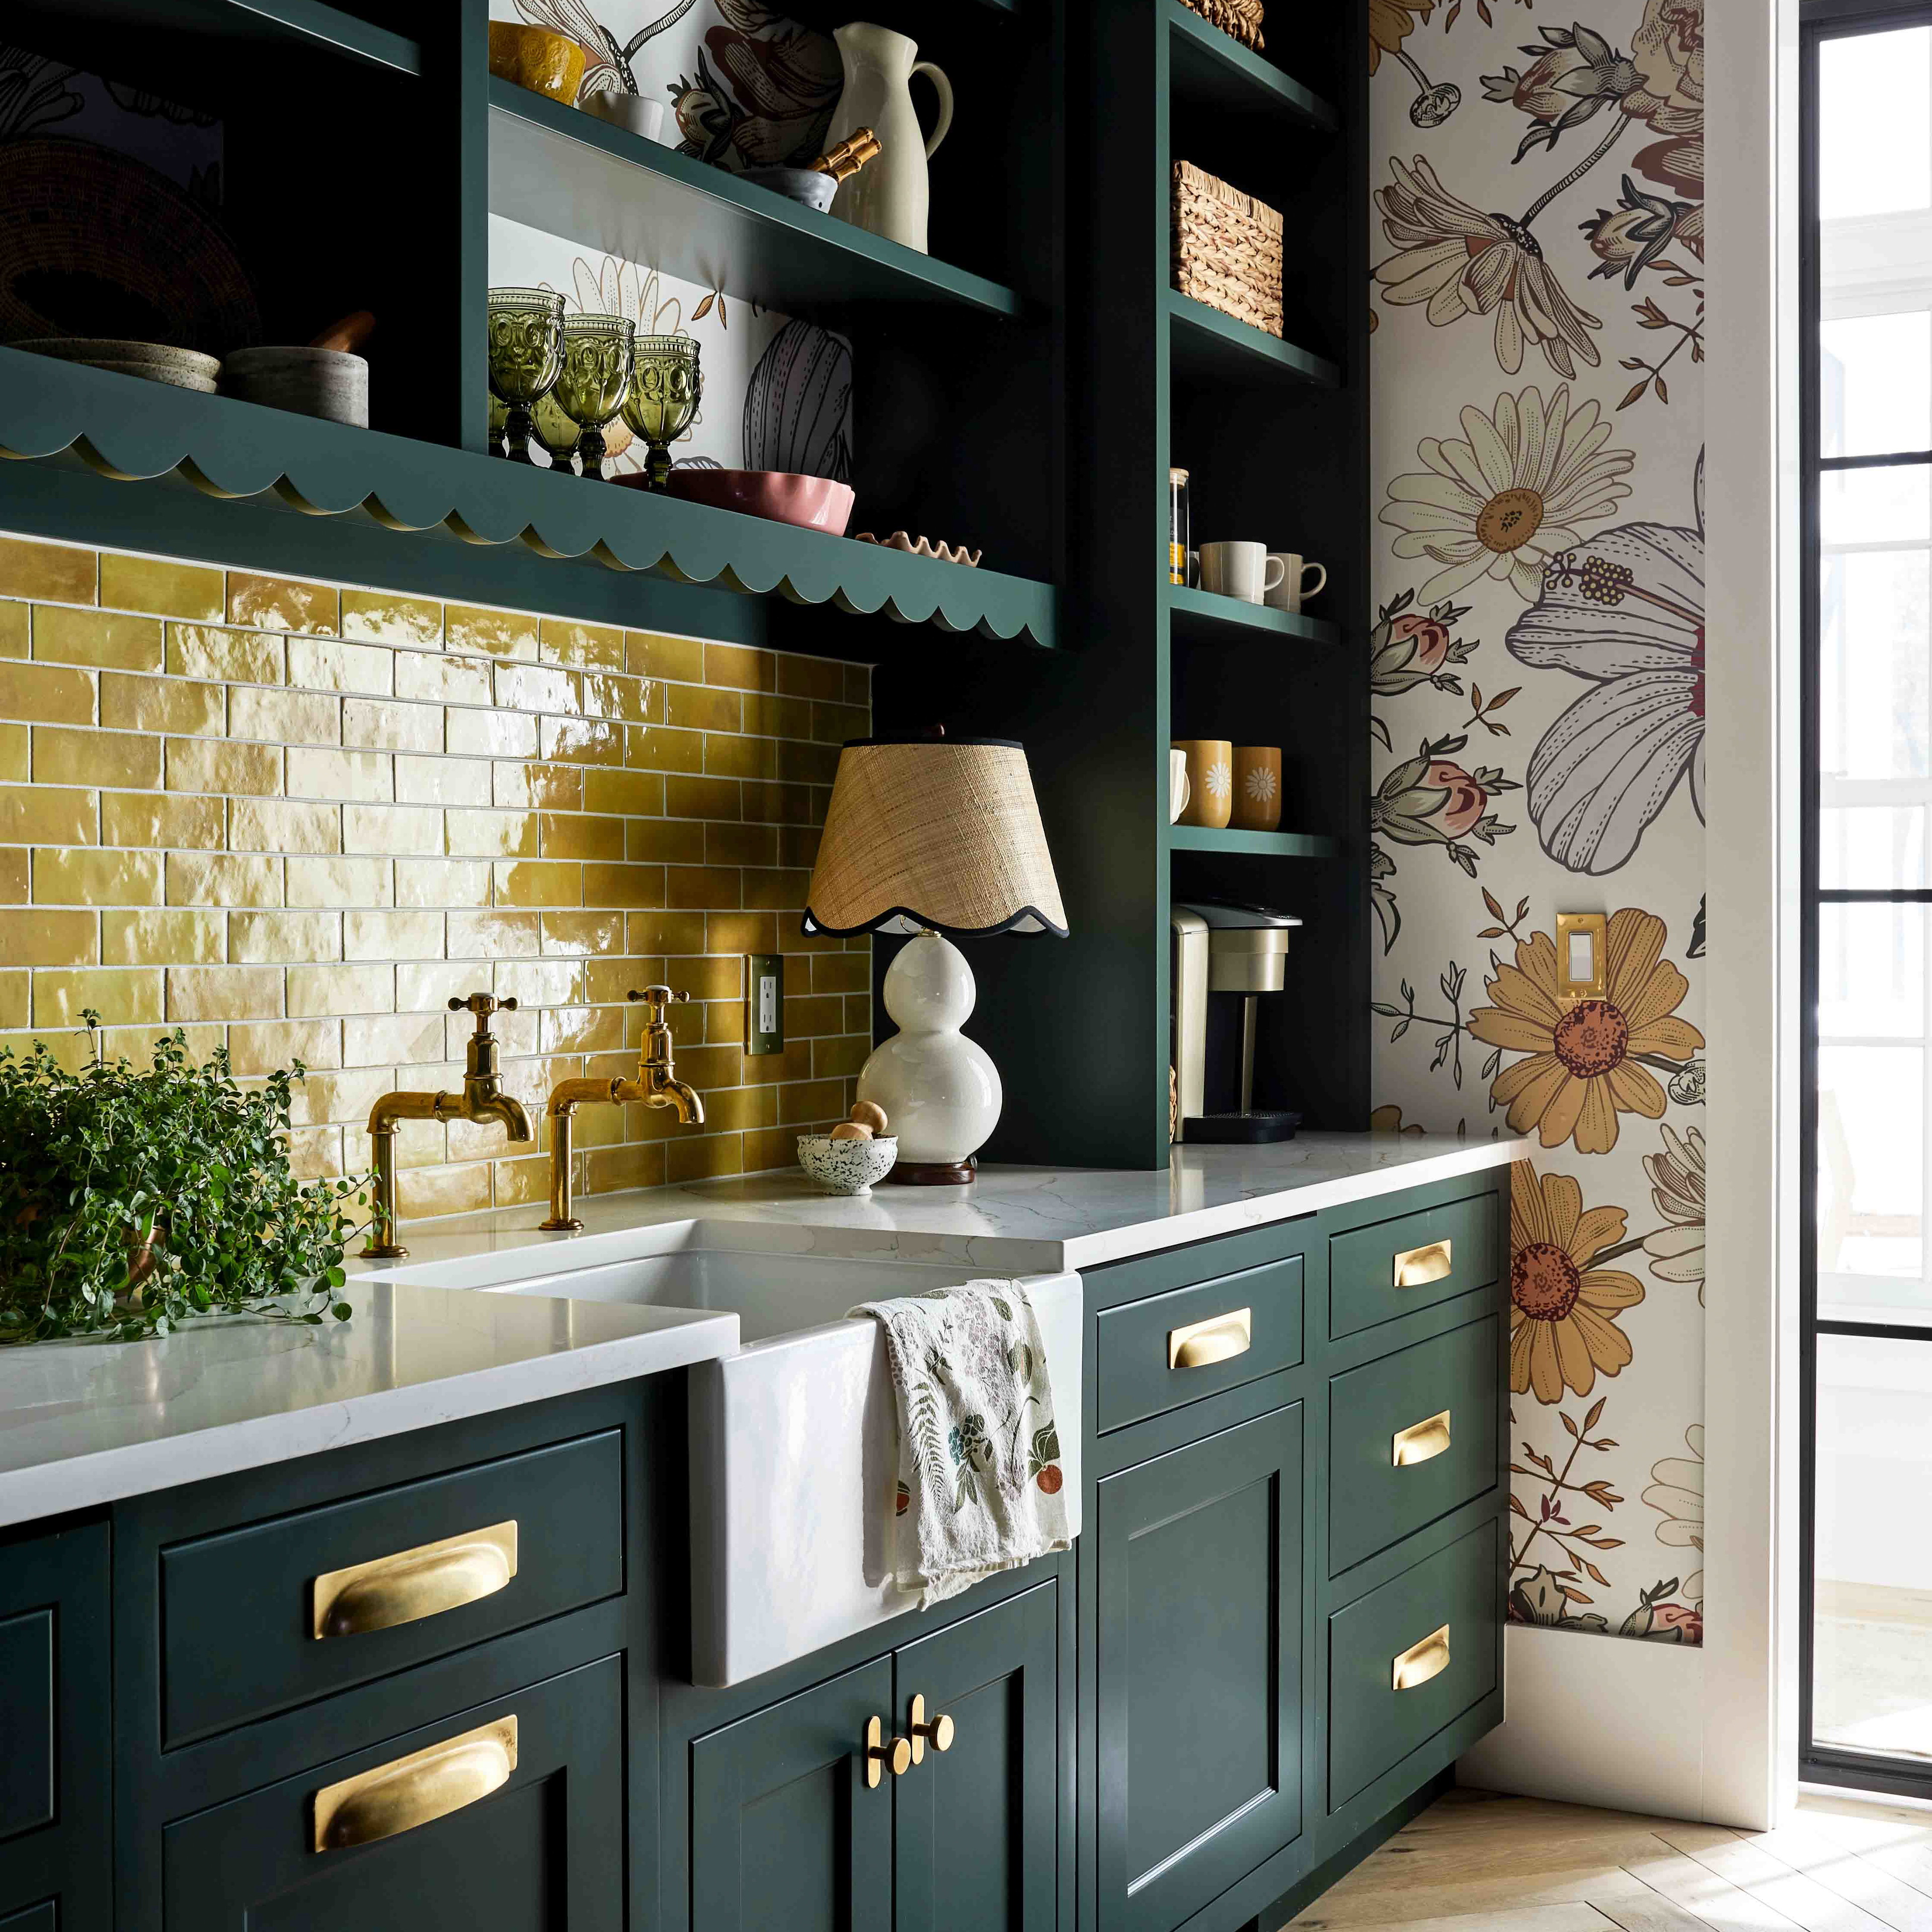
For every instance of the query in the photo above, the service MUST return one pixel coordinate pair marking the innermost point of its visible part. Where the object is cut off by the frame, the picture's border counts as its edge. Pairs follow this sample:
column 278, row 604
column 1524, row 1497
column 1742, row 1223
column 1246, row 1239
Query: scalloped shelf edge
column 233, row 451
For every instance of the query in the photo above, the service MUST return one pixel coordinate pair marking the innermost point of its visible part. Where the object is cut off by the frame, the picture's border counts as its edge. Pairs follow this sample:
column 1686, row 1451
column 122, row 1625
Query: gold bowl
column 533, row 57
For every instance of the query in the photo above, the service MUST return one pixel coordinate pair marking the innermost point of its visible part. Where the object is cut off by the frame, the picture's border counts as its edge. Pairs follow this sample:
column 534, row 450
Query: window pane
column 1875, row 135
column 1875, row 644
column 1873, row 847
column 1872, row 1669
column 1874, row 382
column 1871, row 506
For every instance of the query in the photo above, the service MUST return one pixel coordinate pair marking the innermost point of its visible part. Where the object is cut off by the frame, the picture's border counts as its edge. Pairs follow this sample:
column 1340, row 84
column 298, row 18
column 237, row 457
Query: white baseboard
column 1597, row 1720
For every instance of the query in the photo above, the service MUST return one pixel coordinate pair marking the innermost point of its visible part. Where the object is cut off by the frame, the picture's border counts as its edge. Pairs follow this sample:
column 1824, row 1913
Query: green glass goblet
column 526, row 355
column 598, row 358
column 558, row 432
column 666, row 385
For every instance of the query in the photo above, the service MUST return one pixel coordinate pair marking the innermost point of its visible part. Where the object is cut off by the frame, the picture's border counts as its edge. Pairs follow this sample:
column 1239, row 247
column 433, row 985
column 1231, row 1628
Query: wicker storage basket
column 1240, row 18
column 1227, row 248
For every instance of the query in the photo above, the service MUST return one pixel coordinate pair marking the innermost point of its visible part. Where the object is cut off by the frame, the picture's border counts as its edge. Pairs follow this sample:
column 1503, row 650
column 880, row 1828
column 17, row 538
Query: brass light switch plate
column 764, row 1002
column 1582, row 969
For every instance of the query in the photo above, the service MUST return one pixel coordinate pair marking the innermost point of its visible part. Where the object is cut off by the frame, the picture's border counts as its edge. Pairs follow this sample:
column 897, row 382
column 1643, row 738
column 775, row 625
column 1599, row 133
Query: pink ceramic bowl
column 812, row 503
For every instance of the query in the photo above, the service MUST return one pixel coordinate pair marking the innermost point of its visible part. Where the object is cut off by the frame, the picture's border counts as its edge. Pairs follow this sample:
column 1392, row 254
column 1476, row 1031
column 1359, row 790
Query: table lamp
column 940, row 837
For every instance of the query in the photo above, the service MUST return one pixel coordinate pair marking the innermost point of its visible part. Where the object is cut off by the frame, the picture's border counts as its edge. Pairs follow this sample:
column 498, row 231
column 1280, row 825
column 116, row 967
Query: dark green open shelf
column 120, row 426
column 1262, row 845
column 309, row 25
column 1211, row 70
column 1202, row 617
column 571, row 174
column 1206, row 346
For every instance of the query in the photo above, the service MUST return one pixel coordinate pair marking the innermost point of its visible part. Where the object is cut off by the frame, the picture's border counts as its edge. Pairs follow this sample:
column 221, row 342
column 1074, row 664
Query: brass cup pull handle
column 1218, row 1339
column 417, row 1789
column 883, row 1753
column 1421, row 1661
column 1415, row 1268
column 1420, row 1441
column 938, row 1732
column 414, row 1583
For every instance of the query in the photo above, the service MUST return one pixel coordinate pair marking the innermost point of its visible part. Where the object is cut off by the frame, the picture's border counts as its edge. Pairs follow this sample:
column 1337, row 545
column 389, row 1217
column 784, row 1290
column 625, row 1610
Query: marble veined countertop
column 82, row 1424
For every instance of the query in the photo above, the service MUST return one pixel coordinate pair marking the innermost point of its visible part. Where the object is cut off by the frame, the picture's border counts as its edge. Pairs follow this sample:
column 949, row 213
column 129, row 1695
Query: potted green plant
column 132, row 1198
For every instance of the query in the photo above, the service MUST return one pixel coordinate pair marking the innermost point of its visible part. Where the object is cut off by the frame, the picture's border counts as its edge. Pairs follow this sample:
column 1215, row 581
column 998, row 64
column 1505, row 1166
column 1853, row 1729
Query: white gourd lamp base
column 940, row 1090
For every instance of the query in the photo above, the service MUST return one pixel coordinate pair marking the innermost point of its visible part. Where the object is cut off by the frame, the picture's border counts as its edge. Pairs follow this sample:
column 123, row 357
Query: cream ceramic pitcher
column 891, row 197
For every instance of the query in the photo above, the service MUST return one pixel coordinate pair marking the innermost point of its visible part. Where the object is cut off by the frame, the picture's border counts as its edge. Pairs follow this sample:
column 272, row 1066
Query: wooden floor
column 1477, row 1862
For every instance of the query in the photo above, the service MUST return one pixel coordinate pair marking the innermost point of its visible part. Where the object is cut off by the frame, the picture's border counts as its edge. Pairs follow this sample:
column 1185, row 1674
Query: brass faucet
column 657, row 1085
column 482, row 1099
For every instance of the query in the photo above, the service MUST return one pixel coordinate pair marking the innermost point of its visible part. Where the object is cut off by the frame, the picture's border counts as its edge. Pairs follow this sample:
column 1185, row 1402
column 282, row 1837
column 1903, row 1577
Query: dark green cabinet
column 544, row 1851
column 787, row 1830
column 1199, row 1684
column 54, row 1774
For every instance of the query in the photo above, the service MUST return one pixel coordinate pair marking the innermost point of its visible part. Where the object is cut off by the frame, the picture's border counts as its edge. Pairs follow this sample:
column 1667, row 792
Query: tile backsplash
column 297, row 817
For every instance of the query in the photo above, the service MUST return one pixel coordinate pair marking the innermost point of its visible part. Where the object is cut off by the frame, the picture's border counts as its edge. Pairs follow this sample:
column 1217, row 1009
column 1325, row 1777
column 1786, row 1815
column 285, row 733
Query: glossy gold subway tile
column 343, row 1098
column 841, row 972
column 631, row 700
column 807, row 764
column 491, row 835
column 583, row 1029
column 205, row 765
column 736, row 665
column 565, row 641
column 138, row 704
column 14, row 630
column 493, row 934
column 316, row 991
column 464, row 781
column 162, row 818
column 442, row 679
column 368, row 777
column 697, row 707
column 404, row 934
column 211, row 993
column 540, row 982
column 101, row 639
column 346, row 881
column 530, row 687
column 35, row 936
column 371, row 723
column 49, row 815
column 123, row 996
column 325, row 664
column 572, row 834
column 91, row 875
column 657, row 931
column 217, row 879
column 283, row 604
column 798, row 846
column 519, row 1183
column 492, row 734
column 428, row 988
column 839, row 1058
column 442, row 882
column 822, row 678
column 15, row 1008
column 705, row 888
column 284, row 938
column 738, row 932
column 705, row 1158
column 687, row 797
column 773, row 804
column 525, row 882
column 414, row 831
column 56, row 572
column 45, row 694
column 230, row 657
column 581, row 741
column 161, row 589
column 769, row 717
column 676, row 842
column 632, row 794
column 392, row 1039
column 424, row 1191
column 275, row 825
column 728, row 845
column 386, row 617
column 583, row 934
column 625, row 886
column 657, row 748
column 281, row 717
column 532, row 787
column 727, row 757
column 503, row 634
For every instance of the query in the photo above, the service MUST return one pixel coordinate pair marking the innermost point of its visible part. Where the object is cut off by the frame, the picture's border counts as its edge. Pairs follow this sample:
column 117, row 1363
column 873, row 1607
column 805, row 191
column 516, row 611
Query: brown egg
column 851, row 1130
column 870, row 1114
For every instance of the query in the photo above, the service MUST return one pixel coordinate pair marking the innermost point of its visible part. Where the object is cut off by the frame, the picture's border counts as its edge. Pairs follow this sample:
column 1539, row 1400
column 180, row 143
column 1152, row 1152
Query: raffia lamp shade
column 937, row 832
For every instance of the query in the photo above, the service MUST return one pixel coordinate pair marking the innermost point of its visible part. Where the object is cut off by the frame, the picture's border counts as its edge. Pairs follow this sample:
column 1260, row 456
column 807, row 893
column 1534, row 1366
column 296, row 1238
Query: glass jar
column 1180, row 527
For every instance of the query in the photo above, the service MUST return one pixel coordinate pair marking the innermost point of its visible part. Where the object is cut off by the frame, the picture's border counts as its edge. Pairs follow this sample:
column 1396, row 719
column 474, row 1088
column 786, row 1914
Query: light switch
column 1582, row 970
column 764, row 1002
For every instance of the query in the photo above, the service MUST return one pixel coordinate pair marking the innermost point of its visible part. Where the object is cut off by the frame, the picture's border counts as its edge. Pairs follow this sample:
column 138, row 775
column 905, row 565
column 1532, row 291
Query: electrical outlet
column 764, row 1002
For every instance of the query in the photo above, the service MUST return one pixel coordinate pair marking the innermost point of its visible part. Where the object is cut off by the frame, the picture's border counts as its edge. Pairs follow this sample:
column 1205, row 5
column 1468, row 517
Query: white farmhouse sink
column 792, row 1438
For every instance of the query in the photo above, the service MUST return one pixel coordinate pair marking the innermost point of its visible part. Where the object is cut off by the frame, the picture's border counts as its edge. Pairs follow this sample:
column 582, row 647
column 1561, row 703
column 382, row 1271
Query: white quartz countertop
column 82, row 1424
column 1017, row 1220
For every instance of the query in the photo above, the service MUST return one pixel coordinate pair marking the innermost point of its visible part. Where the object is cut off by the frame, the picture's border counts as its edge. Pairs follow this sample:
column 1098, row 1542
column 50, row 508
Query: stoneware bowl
column 847, row 1167
column 643, row 117
column 805, row 186
column 327, row 383
column 532, row 57
column 812, row 503
column 153, row 361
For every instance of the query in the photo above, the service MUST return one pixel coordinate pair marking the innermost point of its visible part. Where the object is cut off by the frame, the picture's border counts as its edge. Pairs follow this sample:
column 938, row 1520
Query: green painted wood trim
column 129, row 430
column 1211, row 343
column 555, row 168
column 1203, row 617
column 310, row 23
column 1218, row 69
column 1273, row 845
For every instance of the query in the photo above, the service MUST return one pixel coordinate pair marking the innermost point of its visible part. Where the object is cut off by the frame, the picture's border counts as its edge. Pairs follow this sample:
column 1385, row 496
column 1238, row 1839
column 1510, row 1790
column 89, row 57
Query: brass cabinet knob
column 883, row 1753
column 938, row 1733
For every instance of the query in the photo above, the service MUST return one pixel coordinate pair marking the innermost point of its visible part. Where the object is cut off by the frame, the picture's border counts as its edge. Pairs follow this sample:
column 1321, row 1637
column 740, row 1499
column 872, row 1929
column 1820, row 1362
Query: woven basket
column 1227, row 249
column 1240, row 18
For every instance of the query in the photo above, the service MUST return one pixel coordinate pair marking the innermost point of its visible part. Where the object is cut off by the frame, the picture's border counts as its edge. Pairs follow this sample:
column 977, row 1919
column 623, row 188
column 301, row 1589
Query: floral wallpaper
column 1537, row 668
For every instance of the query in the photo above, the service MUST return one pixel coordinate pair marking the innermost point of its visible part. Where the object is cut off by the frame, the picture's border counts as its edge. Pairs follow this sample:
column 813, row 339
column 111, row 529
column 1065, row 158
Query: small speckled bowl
column 847, row 1167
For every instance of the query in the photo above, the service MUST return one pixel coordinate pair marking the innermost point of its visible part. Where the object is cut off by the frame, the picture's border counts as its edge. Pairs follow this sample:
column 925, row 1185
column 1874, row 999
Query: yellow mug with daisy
column 1210, row 781
column 1257, row 795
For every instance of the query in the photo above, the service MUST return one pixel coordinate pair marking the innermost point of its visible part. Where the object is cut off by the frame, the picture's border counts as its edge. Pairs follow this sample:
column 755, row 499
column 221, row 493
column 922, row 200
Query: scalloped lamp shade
column 937, row 832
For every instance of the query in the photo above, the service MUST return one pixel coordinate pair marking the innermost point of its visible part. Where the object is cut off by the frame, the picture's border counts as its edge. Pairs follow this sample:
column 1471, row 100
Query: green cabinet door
column 1198, row 1674
column 54, row 1729
column 544, row 1851
column 786, row 1834
column 975, row 1825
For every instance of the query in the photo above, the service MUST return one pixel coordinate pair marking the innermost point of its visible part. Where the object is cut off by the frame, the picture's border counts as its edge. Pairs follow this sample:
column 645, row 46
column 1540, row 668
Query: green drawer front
column 28, row 1721
column 1363, row 1263
column 1373, row 1726
column 247, row 1594
column 1134, row 1347
column 1373, row 1500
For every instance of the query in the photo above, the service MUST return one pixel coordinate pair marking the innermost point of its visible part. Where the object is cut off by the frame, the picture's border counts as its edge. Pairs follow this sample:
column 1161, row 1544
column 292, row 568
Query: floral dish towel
column 978, row 1476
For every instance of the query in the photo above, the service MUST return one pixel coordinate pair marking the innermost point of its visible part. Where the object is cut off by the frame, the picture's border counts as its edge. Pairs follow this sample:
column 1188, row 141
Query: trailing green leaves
column 132, row 1198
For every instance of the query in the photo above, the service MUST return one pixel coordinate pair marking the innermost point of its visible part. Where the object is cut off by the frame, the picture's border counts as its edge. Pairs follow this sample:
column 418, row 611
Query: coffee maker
column 1222, row 947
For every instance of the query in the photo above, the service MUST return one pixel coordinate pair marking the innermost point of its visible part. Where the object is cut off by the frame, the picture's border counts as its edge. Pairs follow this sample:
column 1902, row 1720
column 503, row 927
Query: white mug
column 1287, row 593
column 1179, row 791
column 1240, row 570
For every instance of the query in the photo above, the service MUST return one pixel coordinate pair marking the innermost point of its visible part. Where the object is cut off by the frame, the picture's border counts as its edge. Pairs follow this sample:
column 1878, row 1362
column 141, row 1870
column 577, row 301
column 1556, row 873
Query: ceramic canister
column 1257, row 795
column 1210, row 778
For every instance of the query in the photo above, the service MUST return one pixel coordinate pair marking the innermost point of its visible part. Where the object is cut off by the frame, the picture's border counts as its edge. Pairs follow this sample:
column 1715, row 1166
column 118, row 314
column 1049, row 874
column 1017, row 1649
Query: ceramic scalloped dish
column 811, row 503
column 847, row 1167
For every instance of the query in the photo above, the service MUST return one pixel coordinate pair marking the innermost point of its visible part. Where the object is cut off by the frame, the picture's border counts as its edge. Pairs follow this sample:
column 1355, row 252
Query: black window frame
column 1819, row 21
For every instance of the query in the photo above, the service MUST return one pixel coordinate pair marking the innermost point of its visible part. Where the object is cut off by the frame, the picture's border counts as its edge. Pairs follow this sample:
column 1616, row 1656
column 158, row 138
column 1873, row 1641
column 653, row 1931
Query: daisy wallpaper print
column 1537, row 673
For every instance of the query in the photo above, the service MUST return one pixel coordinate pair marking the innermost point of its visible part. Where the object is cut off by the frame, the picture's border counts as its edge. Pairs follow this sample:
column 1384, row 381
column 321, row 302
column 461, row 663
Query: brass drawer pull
column 416, row 1789
column 1414, row 1267
column 1218, row 1339
column 939, row 1733
column 1421, row 1661
column 883, row 1754
column 414, row 1583
column 1421, row 1441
